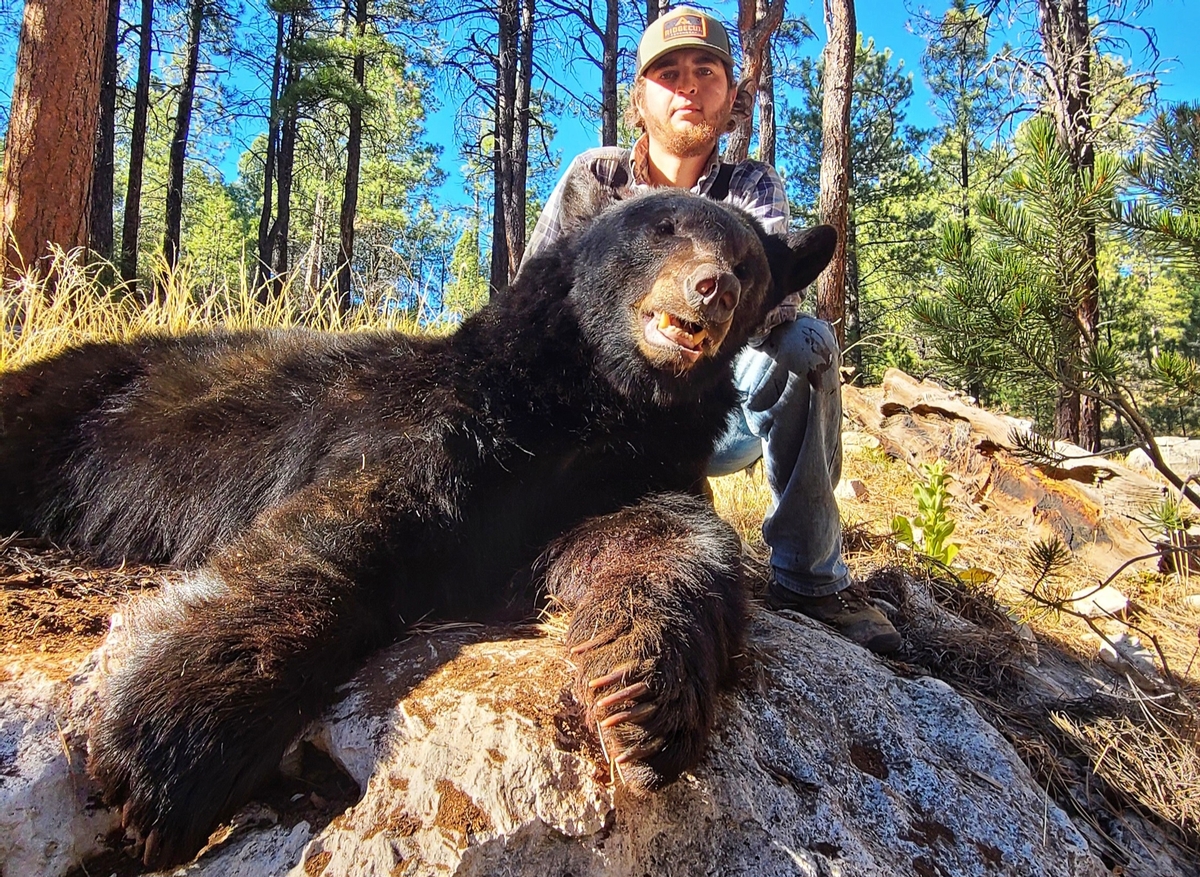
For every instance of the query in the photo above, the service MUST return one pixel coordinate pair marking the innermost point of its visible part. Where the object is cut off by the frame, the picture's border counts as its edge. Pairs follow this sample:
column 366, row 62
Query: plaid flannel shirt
column 754, row 186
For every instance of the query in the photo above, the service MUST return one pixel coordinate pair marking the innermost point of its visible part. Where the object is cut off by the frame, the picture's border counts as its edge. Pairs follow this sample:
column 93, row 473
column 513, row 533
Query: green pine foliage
column 467, row 290
column 1163, row 210
column 1005, row 314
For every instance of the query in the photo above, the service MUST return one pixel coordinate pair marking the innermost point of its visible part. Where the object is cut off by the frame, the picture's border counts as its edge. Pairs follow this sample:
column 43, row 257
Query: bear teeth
column 681, row 332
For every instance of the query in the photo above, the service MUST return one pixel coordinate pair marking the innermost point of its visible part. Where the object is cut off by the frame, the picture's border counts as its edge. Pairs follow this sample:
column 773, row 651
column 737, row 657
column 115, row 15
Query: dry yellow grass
column 38, row 318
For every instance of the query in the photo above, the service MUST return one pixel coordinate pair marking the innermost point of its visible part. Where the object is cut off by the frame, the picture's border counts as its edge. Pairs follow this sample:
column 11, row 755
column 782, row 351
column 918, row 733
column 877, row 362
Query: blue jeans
column 791, row 416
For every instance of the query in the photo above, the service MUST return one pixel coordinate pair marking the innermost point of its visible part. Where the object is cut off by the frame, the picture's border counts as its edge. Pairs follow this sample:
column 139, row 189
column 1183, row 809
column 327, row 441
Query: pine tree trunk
column 514, row 221
column 506, row 95
column 312, row 261
column 608, row 74
column 100, row 226
column 284, row 163
column 137, row 149
column 834, row 202
column 262, row 270
column 179, row 139
column 853, row 300
column 47, row 174
column 766, row 110
column 353, row 161
column 281, row 228
column 1066, row 44
column 964, row 180
column 655, row 8
column 757, row 20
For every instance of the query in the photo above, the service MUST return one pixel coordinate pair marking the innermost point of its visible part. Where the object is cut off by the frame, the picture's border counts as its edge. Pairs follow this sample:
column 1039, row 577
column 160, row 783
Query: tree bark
column 757, row 20
column 1066, row 44
column 835, row 156
column 655, row 8
column 100, row 230
column 137, row 149
column 262, row 270
column 766, row 110
column 514, row 222
column 285, row 161
column 47, row 174
column 853, row 334
column 183, row 123
column 608, row 75
column 281, row 227
column 353, row 162
column 506, row 93
column 316, row 246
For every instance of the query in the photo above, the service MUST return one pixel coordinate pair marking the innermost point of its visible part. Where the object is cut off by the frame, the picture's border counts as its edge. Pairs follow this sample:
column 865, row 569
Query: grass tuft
column 39, row 317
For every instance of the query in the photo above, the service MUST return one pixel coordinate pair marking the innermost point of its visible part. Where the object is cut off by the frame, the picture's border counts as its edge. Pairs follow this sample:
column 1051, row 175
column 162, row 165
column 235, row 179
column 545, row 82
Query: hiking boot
column 846, row 612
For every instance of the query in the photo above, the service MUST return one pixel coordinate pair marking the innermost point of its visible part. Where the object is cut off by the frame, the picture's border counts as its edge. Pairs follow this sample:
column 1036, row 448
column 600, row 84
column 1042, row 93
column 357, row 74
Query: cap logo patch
column 685, row 26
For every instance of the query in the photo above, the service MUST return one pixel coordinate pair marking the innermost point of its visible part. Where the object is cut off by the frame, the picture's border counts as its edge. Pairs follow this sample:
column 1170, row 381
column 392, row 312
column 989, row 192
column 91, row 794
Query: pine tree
column 969, row 98
column 1009, row 308
column 467, row 290
column 890, row 216
column 56, row 98
column 1164, row 179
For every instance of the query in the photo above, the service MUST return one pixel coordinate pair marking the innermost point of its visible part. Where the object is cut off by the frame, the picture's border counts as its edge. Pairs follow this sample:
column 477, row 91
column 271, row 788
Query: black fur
column 330, row 489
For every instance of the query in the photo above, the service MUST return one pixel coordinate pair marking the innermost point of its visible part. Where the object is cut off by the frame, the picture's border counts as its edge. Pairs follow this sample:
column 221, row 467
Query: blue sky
column 1176, row 23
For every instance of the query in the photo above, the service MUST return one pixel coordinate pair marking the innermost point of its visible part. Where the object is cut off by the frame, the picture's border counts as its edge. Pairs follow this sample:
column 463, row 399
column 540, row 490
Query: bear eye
column 665, row 226
column 741, row 270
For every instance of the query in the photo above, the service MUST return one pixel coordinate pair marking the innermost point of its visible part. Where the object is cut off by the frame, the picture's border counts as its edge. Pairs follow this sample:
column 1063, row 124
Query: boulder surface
column 471, row 760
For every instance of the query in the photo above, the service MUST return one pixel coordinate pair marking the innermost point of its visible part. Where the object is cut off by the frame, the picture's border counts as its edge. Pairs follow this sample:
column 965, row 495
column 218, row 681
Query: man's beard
column 692, row 141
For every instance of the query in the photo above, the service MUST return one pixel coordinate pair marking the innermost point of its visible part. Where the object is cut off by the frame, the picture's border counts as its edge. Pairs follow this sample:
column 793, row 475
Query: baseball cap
column 681, row 28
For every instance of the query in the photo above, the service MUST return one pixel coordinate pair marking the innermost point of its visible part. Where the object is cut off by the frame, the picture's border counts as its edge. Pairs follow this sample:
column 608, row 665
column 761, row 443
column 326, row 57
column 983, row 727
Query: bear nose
column 713, row 292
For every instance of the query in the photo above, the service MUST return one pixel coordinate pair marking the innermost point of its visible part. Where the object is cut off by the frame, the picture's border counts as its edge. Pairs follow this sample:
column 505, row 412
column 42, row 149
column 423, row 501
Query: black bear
column 328, row 489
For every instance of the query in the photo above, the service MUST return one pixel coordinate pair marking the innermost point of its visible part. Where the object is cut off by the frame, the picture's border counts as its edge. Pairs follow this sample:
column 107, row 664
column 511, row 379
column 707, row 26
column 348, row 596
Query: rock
column 472, row 762
column 1181, row 454
column 1103, row 602
column 1192, row 602
column 855, row 440
column 851, row 488
column 48, row 821
column 1123, row 652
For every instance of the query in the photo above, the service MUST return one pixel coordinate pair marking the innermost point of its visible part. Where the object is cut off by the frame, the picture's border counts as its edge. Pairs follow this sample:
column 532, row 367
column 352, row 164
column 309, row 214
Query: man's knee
column 807, row 347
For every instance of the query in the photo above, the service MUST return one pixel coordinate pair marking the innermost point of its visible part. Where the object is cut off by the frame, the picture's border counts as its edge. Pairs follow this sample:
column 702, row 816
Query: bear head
column 692, row 278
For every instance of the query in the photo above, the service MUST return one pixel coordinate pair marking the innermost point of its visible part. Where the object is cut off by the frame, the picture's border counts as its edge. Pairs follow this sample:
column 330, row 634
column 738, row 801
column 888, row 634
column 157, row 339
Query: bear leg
column 658, row 609
column 224, row 671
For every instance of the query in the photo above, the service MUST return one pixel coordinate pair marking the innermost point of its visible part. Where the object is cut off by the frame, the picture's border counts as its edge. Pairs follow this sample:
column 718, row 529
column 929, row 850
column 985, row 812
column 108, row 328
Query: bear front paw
column 652, row 712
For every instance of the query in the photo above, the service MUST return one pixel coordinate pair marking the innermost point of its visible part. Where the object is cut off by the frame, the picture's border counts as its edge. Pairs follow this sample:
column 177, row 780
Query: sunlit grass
column 40, row 317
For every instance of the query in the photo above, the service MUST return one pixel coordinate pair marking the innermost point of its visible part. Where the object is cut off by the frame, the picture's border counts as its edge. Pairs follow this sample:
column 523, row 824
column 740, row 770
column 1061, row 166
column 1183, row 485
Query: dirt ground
column 54, row 609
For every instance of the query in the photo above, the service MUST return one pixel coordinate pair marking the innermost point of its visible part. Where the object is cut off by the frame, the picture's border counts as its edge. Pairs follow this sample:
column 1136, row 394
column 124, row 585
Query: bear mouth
column 686, row 339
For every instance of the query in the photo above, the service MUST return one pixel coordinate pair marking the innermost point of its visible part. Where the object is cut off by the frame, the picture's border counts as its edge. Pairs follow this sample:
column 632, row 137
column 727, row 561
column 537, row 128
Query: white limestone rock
column 1099, row 602
column 473, row 762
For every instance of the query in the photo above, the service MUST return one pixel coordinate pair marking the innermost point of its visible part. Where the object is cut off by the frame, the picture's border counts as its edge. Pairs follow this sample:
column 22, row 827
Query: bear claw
column 641, row 751
column 630, row 692
column 633, row 715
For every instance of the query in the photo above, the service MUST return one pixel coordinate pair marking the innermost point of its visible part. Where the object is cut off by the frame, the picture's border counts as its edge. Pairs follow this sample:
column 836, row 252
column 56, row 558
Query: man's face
column 686, row 101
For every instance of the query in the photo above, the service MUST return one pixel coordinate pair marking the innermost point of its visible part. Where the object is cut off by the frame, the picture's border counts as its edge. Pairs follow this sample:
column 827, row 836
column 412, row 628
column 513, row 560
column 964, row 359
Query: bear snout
column 713, row 292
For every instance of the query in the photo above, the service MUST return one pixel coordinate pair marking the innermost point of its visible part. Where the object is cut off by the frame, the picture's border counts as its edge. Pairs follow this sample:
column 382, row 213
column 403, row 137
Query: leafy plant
column 928, row 532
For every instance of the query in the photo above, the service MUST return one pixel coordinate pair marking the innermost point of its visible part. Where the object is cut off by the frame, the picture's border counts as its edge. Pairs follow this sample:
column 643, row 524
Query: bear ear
column 797, row 262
